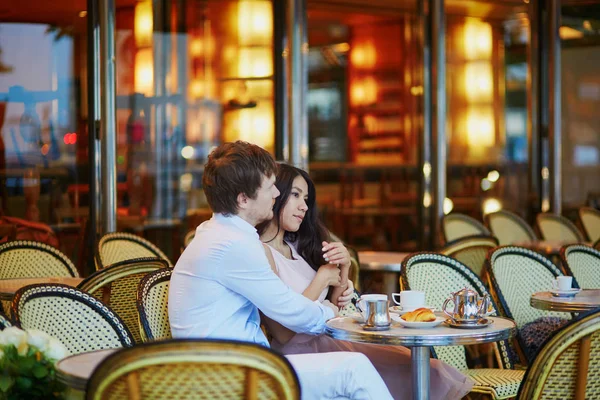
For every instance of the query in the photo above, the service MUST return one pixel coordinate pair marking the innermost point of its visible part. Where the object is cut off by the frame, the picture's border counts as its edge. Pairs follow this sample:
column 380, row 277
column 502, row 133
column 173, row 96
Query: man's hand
column 329, row 274
column 336, row 253
column 332, row 306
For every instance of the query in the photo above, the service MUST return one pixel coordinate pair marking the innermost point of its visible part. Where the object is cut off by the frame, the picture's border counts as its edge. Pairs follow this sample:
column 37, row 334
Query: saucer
column 565, row 293
column 416, row 324
column 479, row 324
column 398, row 309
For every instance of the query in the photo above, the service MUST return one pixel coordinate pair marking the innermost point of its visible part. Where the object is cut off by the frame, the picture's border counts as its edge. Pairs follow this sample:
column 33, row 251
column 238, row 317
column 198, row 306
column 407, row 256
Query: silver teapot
column 469, row 307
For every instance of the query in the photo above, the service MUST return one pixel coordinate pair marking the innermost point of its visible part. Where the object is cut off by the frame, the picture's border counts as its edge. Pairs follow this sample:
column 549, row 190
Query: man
column 223, row 278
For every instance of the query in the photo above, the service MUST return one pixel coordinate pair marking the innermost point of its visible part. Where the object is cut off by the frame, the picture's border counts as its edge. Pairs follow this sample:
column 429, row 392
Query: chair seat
column 499, row 383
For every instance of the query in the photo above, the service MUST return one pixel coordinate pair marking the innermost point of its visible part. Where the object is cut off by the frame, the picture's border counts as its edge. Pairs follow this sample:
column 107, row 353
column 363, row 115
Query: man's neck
column 247, row 218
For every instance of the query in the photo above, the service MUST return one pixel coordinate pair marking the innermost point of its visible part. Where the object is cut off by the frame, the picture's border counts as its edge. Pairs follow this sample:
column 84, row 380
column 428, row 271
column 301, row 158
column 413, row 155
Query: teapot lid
column 466, row 292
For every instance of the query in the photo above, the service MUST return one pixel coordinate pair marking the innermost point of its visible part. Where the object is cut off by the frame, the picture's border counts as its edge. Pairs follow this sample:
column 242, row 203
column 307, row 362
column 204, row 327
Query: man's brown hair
column 235, row 168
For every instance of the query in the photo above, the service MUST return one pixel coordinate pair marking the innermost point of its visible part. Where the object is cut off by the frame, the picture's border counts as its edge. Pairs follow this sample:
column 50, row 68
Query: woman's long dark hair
column 312, row 232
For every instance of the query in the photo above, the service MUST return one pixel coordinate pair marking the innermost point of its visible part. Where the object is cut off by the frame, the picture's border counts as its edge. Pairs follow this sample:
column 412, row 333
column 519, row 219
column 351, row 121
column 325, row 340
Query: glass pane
column 43, row 122
column 580, row 34
column 486, row 126
column 190, row 75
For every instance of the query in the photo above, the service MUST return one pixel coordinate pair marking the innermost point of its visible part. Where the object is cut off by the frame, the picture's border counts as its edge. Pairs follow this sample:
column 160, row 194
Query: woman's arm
column 336, row 253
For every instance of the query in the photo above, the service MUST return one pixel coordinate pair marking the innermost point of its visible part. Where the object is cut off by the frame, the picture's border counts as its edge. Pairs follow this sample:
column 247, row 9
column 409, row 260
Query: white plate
column 422, row 325
column 565, row 293
column 398, row 310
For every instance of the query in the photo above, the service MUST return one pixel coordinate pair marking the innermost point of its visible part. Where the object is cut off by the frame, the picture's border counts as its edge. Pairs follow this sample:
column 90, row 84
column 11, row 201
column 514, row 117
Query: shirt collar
column 237, row 221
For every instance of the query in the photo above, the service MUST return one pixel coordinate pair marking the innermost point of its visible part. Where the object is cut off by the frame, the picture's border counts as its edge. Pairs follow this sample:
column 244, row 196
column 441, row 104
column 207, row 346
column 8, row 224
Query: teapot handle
column 444, row 307
column 483, row 308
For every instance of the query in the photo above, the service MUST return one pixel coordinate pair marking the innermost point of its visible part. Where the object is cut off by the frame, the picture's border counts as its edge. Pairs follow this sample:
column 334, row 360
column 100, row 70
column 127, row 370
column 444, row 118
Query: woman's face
column 295, row 209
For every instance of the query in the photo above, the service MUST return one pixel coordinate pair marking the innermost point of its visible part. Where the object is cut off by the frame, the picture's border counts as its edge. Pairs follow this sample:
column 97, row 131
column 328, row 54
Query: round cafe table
column 8, row 287
column 586, row 300
column 419, row 341
column 75, row 371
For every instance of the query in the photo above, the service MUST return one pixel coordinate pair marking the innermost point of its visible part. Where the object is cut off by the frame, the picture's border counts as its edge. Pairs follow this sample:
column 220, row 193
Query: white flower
column 16, row 337
column 56, row 350
column 38, row 339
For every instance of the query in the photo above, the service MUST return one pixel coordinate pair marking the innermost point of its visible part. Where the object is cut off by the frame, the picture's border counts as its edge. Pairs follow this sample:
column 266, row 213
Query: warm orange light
column 363, row 55
column 255, row 62
column 363, row 92
column 566, row 33
column 143, row 24
column 144, row 72
column 256, row 126
column 480, row 127
column 196, row 89
column 255, row 22
column 477, row 39
column 196, row 47
column 478, row 81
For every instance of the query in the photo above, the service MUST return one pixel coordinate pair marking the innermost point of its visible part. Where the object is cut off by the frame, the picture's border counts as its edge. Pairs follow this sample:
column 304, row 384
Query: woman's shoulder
column 269, row 253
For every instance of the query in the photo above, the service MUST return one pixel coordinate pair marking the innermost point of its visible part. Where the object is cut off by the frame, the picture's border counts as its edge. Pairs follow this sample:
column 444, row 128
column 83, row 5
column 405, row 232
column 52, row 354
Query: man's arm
column 246, row 271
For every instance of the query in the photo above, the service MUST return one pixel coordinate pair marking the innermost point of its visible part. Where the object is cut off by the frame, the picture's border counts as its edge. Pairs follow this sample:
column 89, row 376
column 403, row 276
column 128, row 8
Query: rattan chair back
column 29, row 259
column 516, row 274
column 557, row 227
column 117, row 285
column 80, row 321
column 471, row 251
column 187, row 239
column 509, row 228
column 152, row 305
column 456, row 226
column 590, row 221
column 194, row 369
column 568, row 365
column 583, row 264
column 120, row 246
column 450, row 276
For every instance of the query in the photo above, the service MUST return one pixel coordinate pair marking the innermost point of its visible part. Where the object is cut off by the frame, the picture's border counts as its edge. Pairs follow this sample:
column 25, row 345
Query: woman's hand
column 346, row 296
column 336, row 253
column 329, row 274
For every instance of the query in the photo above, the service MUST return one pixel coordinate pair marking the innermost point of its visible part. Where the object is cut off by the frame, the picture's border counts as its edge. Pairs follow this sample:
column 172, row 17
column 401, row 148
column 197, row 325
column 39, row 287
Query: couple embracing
column 289, row 273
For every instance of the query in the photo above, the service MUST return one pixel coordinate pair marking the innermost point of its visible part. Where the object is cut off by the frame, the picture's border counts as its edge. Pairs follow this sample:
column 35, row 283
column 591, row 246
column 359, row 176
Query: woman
column 297, row 248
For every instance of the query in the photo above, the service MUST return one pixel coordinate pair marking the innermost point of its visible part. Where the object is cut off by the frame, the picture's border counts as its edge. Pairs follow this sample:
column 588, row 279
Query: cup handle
column 555, row 284
column 444, row 307
column 394, row 298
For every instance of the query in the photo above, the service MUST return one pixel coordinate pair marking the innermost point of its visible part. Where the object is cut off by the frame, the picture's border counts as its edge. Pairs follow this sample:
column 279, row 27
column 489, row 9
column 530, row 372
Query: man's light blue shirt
column 221, row 281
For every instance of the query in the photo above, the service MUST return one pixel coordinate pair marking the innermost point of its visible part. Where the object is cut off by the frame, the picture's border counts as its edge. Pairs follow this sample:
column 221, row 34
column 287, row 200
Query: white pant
column 338, row 375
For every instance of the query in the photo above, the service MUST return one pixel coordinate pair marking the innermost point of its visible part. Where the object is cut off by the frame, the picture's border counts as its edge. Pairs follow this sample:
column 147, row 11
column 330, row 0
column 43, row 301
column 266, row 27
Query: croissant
column 419, row 315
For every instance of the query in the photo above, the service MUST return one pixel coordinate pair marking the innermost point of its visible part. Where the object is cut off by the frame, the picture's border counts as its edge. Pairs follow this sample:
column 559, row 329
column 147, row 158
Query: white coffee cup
column 410, row 299
column 562, row 283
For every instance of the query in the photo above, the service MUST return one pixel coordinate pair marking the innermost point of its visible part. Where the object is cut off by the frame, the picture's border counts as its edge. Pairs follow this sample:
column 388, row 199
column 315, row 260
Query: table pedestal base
column 420, row 371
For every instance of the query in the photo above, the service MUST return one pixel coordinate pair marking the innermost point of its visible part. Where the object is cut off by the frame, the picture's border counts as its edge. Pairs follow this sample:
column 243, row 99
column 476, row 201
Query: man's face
column 260, row 208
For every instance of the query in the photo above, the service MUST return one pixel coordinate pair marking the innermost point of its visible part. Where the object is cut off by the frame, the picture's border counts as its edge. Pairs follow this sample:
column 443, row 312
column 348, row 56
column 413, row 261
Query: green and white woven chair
column 589, row 218
column 568, row 365
column 557, row 227
column 29, row 259
column 583, row 264
column 509, row 228
column 471, row 251
column 515, row 274
column 152, row 305
column 451, row 275
column 456, row 226
column 194, row 369
column 117, row 285
column 81, row 322
column 119, row 246
column 4, row 322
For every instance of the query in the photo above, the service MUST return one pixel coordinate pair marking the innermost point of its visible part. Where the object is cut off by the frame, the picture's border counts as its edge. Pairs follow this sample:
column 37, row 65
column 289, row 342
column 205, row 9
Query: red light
column 70, row 138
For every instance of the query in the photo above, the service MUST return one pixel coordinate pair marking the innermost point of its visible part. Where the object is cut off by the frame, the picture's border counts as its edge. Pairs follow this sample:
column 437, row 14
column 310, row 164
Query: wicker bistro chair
column 471, row 251
column 119, row 246
column 557, row 227
column 194, row 369
column 509, row 228
column 589, row 218
column 29, row 259
column 152, row 302
column 117, row 285
column 596, row 245
column 515, row 274
column 81, row 322
column 4, row 322
column 568, row 365
column 583, row 264
column 456, row 226
column 451, row 275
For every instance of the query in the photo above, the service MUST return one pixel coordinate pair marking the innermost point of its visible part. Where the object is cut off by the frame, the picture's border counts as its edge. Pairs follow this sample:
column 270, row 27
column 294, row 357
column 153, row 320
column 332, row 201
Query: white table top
column 8, row 287
column 76, row 370
column 346, row 328
column 586, row 300
column 381, row 260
